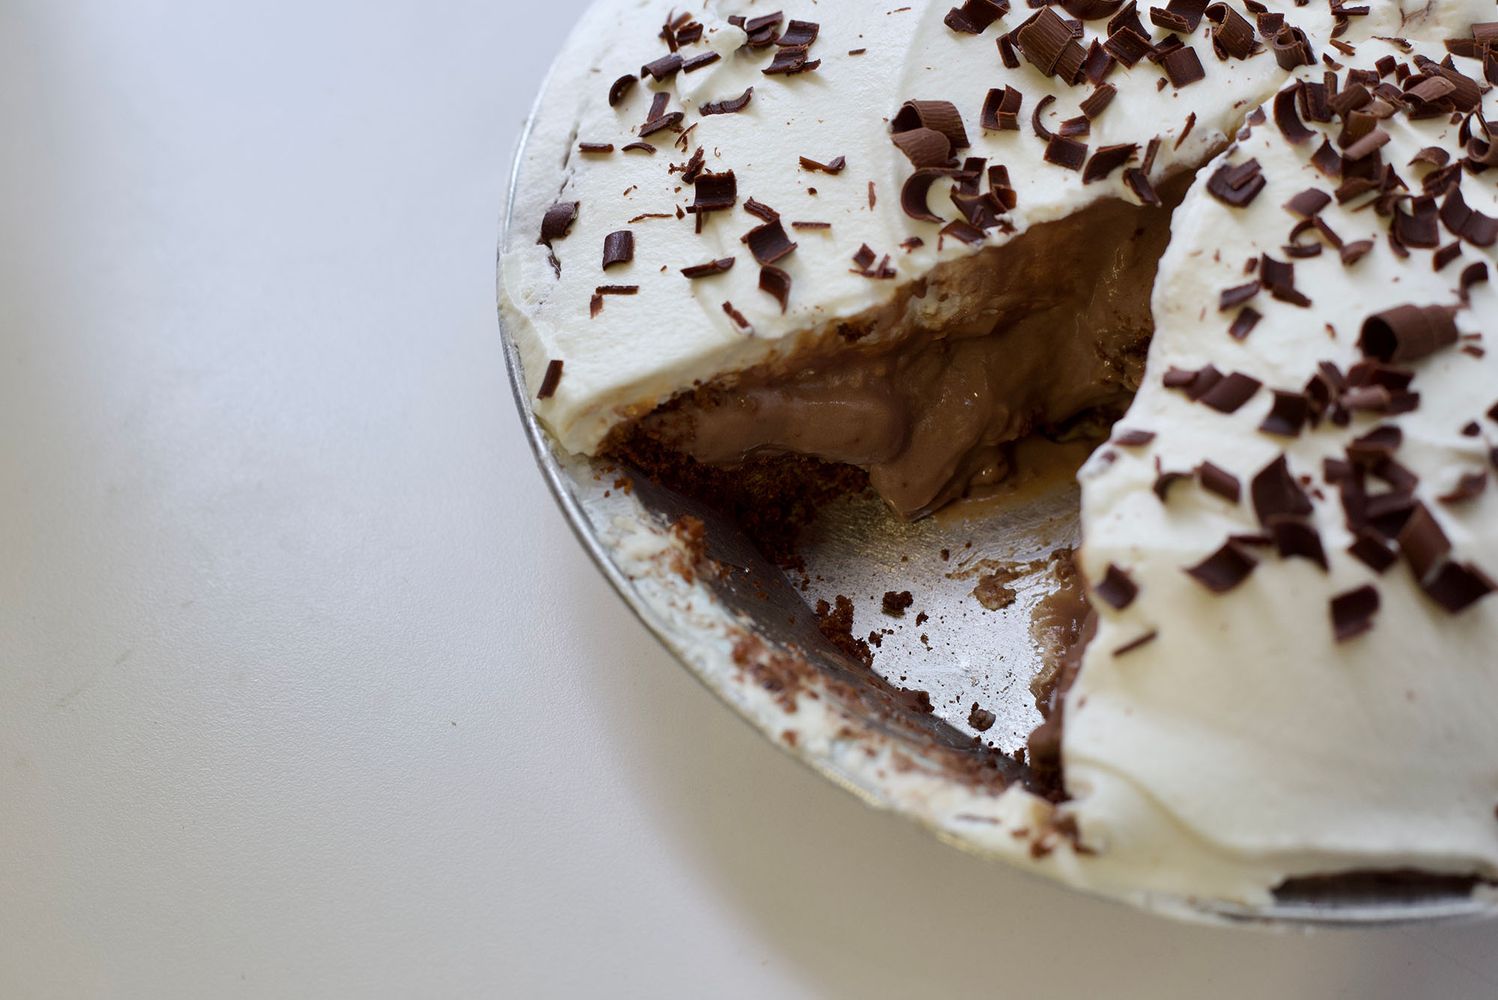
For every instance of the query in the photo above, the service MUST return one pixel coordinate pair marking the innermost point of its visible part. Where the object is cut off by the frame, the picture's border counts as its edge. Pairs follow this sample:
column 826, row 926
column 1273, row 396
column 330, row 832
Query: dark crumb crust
column 771, row 498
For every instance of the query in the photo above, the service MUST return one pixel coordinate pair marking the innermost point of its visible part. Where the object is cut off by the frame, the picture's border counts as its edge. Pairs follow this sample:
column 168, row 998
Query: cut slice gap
column 830, row 460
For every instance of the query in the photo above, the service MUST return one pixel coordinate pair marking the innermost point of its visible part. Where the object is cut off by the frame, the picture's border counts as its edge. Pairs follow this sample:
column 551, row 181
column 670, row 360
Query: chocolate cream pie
column 776, row 252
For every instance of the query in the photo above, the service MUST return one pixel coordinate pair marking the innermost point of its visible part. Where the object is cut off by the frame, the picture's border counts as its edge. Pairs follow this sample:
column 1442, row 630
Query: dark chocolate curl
column 1408, row 333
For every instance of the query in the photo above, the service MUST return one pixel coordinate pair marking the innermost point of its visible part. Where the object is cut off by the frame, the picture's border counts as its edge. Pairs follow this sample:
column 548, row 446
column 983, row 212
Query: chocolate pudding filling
column 928, row 393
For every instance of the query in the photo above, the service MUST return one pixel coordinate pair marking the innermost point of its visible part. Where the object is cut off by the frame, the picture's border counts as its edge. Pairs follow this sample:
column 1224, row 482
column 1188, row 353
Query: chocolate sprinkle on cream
column 1229, row 393
column 551, row 379
column 1215, row 479
column 1117, row 590
column 1352, row 613
column 1139, row 643
column 618, row 248
column 1001, row 110
column 709, row 269
column 1067, row 153
column 1237, row 185
column 1408, row 333
column 557, row 221
column 836, row 166
column 1133, row 438
column 939, row 116
column 1108, row 159
column 1288, row 416
column 731, row 106
column 769, row 242
column 777, row 283
column 975, row 15
column 621, row 89
column 1225, row 569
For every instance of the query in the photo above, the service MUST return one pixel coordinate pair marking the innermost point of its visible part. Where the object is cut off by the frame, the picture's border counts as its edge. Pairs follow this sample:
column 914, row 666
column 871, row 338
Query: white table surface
column 305, row 688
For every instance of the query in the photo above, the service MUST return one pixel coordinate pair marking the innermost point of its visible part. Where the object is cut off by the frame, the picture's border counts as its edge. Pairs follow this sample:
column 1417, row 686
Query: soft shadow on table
column 866, row 904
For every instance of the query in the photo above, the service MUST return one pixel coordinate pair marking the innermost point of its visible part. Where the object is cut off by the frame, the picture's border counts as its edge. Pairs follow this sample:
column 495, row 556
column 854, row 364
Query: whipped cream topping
column 644, row 348
column 1246, row 719
column 1244, row 743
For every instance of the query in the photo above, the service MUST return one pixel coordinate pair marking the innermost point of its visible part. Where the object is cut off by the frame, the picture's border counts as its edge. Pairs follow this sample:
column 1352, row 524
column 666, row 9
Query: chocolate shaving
column 1001, row 110
column 1135, row 644
column 1108, row 159
column 731, row 106
column 1046, row 40
column 1292, row 48
column 939, row 116
column 1456, row 587
column 1308, row 203
column 595, row 148
column 1244, row 323
column 621, row 89
column 557, row 221
column 737, row 317
column 1096, row 102
column 1237, row 185
column 663, row 68
column 1133, row 438
column 1236, row 296
column 1067, row 153
column 1276, row 493
column 964, row 232
column 1471, row 225
column 975, row 15
column 1471, row 486
column 1424, row 544
column 1353, row 612
column 777, row 283
column 835, row 167
column 1288, row 416
column 791, row 61
column 1139, row 182
column 1295, row 539
column 1117, row 590
column 551, row 379
column 1230, row 393
column 1287, row 116
column 1225, row 569
column 1215, row 479
column 1408, row 333
column 924, row 147
column 618, row 248
column 1183, row 67
column 639, row 147
column 1232, row 35
column 709, row 269
column 914, row 193
column 760, row 210
column 1128, row 46
column 799, row 34
column 1371, row 551
column 715, row 193
column 1279, row 279
column 769, row 242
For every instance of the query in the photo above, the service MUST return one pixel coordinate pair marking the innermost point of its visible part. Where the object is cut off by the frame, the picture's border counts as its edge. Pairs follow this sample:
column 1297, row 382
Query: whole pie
column 769, row 254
